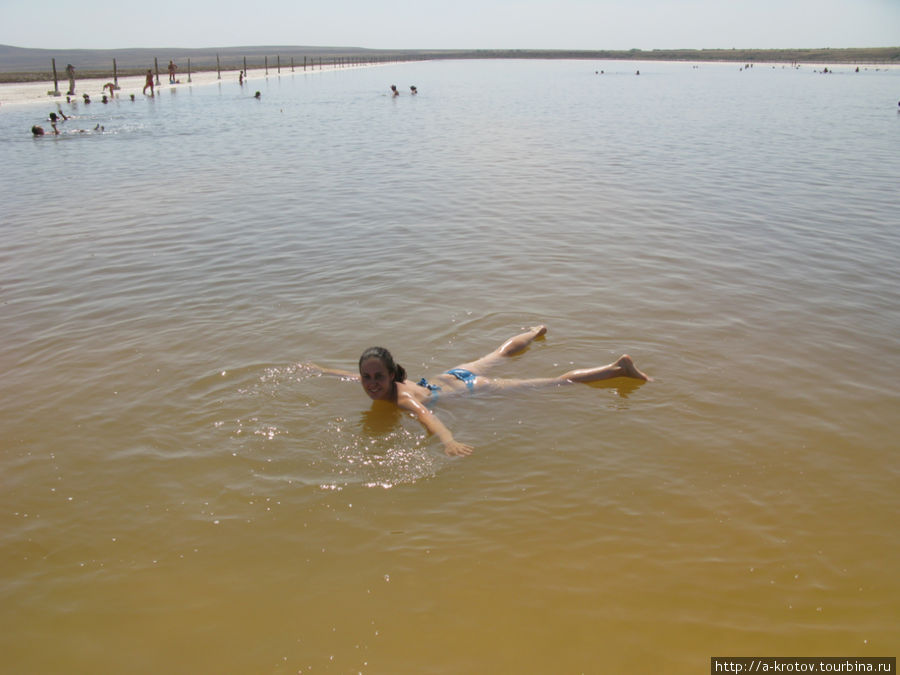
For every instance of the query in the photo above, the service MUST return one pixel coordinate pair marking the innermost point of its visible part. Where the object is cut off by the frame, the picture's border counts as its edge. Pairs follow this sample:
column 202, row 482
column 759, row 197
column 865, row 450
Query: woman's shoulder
column 415, row 391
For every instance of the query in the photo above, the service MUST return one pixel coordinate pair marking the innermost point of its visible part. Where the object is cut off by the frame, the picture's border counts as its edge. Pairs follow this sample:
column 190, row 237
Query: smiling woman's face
column 376, row 380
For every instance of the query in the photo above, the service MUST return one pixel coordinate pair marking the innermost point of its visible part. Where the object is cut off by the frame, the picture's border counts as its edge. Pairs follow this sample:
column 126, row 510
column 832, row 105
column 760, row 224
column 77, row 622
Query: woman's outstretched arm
column 346, row 374
column 434, row 425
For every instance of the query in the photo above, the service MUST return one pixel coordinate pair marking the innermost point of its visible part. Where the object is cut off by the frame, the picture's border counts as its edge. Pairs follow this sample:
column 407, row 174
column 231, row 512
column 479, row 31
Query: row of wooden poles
column 308, row 62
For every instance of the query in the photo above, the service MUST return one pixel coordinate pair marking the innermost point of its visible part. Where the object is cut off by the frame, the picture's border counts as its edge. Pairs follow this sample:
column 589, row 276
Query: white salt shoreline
column 37, row 93
column 40, row 93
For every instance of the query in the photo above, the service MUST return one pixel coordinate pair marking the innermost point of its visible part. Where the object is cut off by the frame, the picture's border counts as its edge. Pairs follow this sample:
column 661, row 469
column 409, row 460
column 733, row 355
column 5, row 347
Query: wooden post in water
column 245, row 67
column 218, row 68
column 189, row 69
column 156, row 65
column 304, row 64
column 266, row 63
column 55, row 91
column 292, row 64
column 115, row 75
column 278, row 57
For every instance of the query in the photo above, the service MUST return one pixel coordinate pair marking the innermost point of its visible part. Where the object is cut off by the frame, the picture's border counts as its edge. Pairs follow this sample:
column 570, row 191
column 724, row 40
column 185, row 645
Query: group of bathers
column 460, row 374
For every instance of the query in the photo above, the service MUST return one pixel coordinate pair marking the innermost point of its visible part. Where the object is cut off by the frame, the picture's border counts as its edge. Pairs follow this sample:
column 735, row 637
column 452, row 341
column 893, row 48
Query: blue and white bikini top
column 460, row 374
column 433, row 388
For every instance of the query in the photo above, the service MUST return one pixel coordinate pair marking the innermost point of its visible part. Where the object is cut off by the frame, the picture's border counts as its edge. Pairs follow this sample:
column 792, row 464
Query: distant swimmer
column 413, row 90
column 111, row 86
column 385, row 380
column 149, row 82
column 87, row 99
column 39, row 130
column 257, row 96
column 394, row 90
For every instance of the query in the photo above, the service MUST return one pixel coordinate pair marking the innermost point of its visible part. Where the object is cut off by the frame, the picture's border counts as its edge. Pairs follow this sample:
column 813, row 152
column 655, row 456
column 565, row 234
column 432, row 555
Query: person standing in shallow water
column 385, row 380
column 149, row 82
column 70, row 71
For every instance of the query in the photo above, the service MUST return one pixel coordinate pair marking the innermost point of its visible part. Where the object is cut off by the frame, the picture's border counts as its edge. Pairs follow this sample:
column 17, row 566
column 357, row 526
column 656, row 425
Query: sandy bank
column 40, row 93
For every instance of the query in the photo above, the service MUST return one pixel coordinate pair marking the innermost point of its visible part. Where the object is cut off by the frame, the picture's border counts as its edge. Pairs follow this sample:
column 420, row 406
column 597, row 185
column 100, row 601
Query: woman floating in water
column 385, row 380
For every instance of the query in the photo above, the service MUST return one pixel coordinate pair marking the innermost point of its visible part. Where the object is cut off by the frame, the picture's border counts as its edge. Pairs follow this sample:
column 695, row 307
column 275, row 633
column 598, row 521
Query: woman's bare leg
column 622, row 367
column 515, row 345
column 518, row 343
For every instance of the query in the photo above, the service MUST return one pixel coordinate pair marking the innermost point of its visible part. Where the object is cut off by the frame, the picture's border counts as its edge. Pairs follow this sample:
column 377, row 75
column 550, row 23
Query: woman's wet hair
column 398, row 373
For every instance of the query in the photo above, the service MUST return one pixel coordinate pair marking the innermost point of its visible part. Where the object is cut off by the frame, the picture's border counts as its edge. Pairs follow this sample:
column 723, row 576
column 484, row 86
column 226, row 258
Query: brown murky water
column 179, row 496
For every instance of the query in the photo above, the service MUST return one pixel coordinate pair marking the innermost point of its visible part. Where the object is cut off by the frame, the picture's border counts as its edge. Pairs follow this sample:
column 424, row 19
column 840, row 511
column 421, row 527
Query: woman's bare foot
column 630, row 370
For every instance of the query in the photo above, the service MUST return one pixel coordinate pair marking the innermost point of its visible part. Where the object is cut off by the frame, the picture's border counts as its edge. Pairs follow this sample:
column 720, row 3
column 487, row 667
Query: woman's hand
column 456, row 449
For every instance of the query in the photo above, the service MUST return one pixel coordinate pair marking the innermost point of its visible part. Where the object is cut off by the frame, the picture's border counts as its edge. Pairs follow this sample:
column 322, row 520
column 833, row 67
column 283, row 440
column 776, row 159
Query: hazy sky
column 452, row 24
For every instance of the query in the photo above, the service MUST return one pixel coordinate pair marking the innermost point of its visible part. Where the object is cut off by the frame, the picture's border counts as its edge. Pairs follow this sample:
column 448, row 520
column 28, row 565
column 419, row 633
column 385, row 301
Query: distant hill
column 19, row 60
column 19, row 64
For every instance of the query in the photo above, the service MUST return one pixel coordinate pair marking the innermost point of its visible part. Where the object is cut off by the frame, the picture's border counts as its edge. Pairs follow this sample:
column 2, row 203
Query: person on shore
column 149, row 82
column 70, row 71
column 171, row 72
column 385, row 380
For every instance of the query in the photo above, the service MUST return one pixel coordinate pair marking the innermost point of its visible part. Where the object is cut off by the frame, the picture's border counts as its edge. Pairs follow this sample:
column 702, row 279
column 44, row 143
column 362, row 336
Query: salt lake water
column 178, row 495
